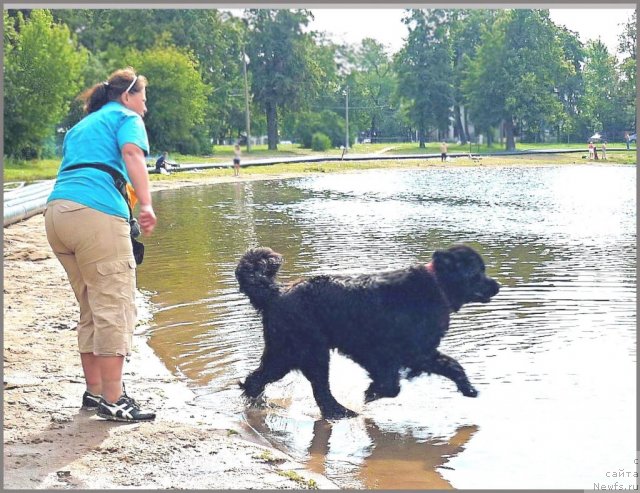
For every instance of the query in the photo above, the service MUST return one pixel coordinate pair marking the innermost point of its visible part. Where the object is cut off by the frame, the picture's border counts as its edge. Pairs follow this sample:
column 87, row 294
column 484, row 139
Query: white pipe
column 26, row 201
column 34, row 195
column 28, row 190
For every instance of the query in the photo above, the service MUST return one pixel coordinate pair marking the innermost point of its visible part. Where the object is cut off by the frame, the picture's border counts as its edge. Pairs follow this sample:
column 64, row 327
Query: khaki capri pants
column 95, row 250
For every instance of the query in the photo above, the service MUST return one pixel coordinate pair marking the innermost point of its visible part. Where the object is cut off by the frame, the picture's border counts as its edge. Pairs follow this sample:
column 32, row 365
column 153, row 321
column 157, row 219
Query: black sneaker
column 90, row 401
column 125, row 409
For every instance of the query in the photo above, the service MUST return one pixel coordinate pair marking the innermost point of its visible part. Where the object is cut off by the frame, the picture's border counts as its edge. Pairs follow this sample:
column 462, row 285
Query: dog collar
column 430, row 268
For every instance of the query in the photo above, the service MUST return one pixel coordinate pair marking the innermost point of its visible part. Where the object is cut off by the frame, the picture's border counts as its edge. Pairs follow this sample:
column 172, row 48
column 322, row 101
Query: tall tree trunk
column 272, row 126
column 466, row 125
column 508, row 129
column 372, row 130
column 421, row 136
column 459, row 128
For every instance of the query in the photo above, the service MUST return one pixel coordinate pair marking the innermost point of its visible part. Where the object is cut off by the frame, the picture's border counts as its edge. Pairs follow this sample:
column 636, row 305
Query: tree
column 424, row 70
column 600, row 105
column 176, row 98
column 42, row 73
column 627, row 46
column 213, row 37
column 467, row 27
column 515, row 76
column 570, row 89
column 371, row 87
column 285, row 75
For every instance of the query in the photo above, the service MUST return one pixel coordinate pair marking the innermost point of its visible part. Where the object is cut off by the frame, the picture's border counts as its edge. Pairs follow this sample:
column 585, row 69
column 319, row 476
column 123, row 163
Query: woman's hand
column 137, row 169
column 147, row 219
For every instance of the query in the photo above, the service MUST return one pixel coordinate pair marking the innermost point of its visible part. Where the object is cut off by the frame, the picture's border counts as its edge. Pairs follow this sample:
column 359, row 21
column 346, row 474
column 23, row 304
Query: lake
column 553, row 355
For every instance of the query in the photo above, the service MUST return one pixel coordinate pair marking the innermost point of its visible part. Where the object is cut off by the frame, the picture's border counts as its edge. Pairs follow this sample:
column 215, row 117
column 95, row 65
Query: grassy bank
column 29, row 171
column 343, row 166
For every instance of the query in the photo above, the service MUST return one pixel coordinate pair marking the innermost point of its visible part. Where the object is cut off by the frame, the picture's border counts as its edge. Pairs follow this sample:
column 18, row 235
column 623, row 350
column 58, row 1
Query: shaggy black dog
column 385, row 322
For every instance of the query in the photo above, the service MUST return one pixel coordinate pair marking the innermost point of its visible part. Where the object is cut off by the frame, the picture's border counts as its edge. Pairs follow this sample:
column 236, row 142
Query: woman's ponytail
column 110, row 90
column 95, row 97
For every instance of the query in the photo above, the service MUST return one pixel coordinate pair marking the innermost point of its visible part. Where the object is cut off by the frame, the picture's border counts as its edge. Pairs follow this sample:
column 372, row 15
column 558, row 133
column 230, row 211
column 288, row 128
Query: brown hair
column 110, row 90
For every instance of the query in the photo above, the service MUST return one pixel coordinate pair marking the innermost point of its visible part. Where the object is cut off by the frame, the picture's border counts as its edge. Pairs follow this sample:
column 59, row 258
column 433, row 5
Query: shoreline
column 50, row 443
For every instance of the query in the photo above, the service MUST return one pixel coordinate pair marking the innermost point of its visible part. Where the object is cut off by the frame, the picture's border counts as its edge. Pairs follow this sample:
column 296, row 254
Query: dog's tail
column 256, row 274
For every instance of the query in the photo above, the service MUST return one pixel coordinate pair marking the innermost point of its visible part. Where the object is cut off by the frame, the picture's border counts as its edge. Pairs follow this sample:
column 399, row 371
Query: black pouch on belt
column 138, row 250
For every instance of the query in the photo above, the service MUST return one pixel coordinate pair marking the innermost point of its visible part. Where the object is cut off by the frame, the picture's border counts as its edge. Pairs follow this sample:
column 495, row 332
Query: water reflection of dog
column 357, row 453
column 395, row 460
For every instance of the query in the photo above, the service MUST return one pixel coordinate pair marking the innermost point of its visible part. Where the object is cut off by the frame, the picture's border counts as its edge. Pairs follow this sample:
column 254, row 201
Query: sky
column 384, row 24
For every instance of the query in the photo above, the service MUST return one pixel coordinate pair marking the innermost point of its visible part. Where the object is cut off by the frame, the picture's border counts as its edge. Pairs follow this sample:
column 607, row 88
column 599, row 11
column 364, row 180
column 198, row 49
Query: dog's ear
column 443, row 258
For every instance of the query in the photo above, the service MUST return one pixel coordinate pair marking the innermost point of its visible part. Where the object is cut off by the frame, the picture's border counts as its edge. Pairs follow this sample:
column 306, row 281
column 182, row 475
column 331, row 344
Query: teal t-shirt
column 99, row 138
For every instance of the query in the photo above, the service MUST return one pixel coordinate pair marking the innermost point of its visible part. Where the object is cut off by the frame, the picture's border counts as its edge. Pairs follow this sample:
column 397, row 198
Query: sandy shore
column 50, row 443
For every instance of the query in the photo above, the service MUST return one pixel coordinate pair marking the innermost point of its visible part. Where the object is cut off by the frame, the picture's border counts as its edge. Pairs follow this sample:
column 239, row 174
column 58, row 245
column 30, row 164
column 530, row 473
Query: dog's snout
column 494, row 287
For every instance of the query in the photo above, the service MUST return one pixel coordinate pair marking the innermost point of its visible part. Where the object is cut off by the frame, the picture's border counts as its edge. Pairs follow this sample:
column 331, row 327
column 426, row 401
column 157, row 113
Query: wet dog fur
column 386, row 322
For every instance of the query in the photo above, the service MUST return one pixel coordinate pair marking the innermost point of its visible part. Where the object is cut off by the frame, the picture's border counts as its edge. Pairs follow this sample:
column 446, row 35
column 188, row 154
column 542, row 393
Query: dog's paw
column 378, row 391
column 371, row 395
column 338, row 413
column 469, row 391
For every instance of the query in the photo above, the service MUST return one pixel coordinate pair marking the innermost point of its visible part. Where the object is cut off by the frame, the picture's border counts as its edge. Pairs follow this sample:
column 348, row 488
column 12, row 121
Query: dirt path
column 50, row 443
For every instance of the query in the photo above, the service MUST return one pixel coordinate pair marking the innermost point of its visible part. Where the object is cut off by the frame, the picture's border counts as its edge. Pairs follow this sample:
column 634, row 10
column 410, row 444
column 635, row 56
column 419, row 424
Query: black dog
column 385, row 322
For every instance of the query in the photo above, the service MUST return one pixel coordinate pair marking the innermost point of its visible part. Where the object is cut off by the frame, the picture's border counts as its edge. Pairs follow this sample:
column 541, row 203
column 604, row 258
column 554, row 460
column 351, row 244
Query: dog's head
column 461, row 274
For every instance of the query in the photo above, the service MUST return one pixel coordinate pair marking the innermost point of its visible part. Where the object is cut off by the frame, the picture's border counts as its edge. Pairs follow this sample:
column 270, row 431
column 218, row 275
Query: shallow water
column 553, row 355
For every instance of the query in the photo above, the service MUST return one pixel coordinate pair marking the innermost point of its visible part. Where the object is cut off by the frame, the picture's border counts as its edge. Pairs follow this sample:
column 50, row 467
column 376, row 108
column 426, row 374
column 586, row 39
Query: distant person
column 443, row 151
column 627, row 139
column 591, row 149
column 604, row 149
column 595, row 152
column 162, row 165
column 237, row 153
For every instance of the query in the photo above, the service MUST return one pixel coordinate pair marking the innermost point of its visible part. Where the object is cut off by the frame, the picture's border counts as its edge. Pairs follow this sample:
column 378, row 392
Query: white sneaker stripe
column 124, row 410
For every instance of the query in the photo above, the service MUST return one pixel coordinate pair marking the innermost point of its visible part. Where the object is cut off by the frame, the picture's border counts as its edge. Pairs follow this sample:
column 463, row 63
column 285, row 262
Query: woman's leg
column 55, row 216
column 92, row 373
column 103, row 375
column 110, row 368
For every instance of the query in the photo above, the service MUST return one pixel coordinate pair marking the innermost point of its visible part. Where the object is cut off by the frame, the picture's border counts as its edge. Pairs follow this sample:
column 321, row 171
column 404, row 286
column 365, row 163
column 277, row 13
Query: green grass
column 29, row 171
column 434, row 147
column 294, row 476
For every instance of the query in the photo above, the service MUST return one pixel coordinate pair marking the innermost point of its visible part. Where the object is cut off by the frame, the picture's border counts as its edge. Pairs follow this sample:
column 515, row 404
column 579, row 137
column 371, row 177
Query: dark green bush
column 320, row 142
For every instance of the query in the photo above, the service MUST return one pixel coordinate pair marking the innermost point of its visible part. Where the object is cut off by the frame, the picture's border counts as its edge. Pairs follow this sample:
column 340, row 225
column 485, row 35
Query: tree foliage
column 372, row 87
column 212, row 37
column 467, row 28
column 602, row 98
column 285, row 71
column 177, row 95
column 516, row 74
column 424, row 68
column 504, row 72
column 325, row 122
column 627, row 47
column 42, row 73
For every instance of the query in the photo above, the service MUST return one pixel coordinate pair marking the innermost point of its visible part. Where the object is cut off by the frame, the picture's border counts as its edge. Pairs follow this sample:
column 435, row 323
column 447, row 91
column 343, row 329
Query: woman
column 87, row 224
